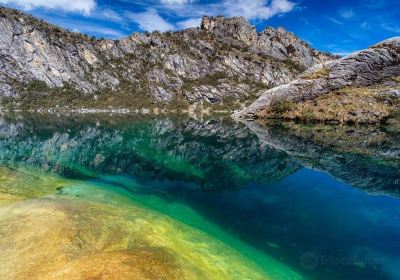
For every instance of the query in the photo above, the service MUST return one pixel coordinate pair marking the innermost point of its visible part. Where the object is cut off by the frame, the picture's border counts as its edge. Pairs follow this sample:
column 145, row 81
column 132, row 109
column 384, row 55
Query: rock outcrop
column 225, row 58
column 362, row 69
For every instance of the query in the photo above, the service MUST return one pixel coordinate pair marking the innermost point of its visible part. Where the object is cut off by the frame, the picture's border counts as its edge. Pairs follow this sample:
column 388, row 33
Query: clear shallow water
column 213, row 199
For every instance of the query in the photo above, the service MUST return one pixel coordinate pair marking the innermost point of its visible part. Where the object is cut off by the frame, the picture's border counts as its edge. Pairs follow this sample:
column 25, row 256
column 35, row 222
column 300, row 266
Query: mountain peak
column 210, row 23
column 231, row 30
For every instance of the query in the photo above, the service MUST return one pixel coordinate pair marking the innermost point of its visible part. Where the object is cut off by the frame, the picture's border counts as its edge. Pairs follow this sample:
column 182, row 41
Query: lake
column 131, row 197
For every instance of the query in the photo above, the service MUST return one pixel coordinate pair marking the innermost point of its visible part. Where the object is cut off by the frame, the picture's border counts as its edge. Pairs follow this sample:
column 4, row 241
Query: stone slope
column 365, row 68
column 225, row 58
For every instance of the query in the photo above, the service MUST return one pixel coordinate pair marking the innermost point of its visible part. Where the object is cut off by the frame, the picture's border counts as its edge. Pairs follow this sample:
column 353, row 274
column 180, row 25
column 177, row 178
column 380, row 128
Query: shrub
column 309, row 115
column 36, row 86
column 281, row 105
column 210, row 80
column 396, row 79
column 319, row 74
column 294, row 65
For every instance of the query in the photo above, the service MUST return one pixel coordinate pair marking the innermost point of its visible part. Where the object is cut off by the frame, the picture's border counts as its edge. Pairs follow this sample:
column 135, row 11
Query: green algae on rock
column 89, row 229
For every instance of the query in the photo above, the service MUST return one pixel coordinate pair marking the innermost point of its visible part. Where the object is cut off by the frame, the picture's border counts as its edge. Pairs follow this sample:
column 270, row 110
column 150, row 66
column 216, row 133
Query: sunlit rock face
column 369, row 67
column 225, row 58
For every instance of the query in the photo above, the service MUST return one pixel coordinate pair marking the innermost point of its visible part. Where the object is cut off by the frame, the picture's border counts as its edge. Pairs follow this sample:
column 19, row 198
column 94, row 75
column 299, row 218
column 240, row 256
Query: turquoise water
column 248, row 202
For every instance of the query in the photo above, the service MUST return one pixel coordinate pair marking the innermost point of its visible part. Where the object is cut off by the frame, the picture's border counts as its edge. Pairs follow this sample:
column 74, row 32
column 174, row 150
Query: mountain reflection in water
column 285, row 192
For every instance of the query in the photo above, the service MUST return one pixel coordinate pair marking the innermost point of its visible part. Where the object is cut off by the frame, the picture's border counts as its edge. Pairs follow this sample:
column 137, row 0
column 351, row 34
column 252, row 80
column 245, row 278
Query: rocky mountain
column 223, row 59
column 363, row 87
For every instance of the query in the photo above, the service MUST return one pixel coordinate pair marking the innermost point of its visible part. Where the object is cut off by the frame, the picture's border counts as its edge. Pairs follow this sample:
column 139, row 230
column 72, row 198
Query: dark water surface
column 228, row 201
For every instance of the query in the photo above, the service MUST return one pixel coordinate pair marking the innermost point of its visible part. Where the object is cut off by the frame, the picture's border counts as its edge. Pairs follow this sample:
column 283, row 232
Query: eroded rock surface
column 361, row 69
column 225, row 58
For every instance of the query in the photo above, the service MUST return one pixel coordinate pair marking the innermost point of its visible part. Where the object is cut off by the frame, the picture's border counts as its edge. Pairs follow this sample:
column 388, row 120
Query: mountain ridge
column 224, row 59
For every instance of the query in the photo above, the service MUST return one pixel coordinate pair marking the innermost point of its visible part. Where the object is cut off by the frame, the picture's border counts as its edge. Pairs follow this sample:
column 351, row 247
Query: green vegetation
column 393, row 121
column 37, row 95
column 309, row 115
column 33, row 86
column 228, row 103
column 210, row 80
column 281, row 105
column 292, row 65
column 178, row 103
column 396, row 79
column 319, row 74
column 347, row 106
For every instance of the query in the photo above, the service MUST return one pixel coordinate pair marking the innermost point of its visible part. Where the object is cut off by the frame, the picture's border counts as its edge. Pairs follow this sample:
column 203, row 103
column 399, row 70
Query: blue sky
column 337, row 26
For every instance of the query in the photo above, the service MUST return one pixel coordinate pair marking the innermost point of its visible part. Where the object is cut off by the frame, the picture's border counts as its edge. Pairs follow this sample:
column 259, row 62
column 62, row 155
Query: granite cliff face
column 371, row 75
column 224, row 58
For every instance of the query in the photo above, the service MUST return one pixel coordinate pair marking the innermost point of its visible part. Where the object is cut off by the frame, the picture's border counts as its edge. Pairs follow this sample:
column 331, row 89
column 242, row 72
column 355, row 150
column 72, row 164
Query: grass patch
column 396, row 79
column 280, row 106
column 228, row 103
column 349, row 105
column 394, row 120
column 36, row 95
column 319, row 74
column 209, row 80
column 292, row 65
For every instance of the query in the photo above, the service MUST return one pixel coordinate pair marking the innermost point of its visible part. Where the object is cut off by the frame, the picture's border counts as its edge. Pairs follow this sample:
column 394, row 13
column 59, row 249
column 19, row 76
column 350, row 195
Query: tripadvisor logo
column 310, row 261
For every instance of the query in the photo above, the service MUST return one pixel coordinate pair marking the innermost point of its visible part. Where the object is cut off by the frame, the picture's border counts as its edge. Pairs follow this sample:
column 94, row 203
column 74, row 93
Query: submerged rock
column 96, row 232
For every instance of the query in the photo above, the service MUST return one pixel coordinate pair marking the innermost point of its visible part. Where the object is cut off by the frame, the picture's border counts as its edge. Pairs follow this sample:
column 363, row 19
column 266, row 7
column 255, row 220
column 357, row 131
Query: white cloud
column 373, row 4
column 111, row 15
column 175, row 2
column 150, row 21
column 344, row 53
column 334, row 20
column 81, row 26
column 257, row 9
column 347, row 14
column 365, row 25
column 391, row 27
column 103, row 31
column 252, row 10
column 80, row 6
column 189, row 23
